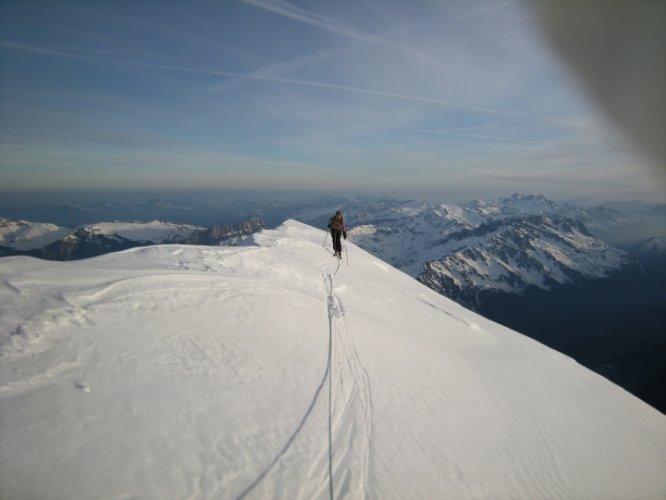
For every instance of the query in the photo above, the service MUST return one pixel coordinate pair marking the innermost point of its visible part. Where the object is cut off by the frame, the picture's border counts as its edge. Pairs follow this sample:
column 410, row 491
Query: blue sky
column 435, row 100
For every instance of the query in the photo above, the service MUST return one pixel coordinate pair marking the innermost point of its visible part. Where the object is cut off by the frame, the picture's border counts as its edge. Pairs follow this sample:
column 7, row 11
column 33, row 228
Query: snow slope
column 272, row 370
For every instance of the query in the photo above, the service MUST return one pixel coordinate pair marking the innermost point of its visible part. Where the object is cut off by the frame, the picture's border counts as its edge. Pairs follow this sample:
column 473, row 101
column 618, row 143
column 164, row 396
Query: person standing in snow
column 338, row 229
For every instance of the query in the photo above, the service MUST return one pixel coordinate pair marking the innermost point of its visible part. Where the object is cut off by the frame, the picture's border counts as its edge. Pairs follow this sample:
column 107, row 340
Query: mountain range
column 504, row 244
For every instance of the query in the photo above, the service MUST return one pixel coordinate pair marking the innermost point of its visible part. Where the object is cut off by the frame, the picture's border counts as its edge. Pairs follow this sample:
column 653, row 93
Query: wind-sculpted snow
column 273, row 370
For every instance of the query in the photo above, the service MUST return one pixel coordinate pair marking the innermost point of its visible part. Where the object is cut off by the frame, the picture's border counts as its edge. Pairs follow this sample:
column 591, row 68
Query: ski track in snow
column 343, row 465
column 289, row 442
column 457, row 318
column 350, row 404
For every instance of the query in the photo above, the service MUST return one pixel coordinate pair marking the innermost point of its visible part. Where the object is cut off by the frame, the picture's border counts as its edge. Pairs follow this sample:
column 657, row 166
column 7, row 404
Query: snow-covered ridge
column 101, row 238
column 155, row 231
column 24, row 235
column 273, row 370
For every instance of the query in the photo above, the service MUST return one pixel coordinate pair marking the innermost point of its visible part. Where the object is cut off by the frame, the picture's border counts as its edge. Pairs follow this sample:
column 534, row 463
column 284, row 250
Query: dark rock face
column 227, row 235
column 81, row 244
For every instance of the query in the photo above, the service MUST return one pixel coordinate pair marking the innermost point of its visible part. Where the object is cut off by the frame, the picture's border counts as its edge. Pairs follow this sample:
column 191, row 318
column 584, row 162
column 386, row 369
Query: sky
column 441, row 101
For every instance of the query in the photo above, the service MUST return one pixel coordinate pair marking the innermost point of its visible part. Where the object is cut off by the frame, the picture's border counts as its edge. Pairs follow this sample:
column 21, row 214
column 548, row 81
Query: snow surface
column 273, row 370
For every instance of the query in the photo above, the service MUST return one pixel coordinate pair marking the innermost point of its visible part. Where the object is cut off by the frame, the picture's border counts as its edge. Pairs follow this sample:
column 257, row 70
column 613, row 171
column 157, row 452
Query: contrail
column 285, row 9
column 290, row 81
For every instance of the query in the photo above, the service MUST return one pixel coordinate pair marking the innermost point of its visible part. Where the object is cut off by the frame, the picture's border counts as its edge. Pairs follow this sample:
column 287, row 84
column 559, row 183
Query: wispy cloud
column 263, row 78
column 471, row 135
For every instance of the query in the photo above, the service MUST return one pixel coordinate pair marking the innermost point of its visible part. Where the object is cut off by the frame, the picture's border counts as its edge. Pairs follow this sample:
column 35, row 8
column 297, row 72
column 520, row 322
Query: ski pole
column 325, row 239
column 346, row 251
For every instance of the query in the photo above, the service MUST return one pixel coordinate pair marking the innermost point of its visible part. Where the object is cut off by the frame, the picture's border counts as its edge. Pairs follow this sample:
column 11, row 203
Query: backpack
column 336, row 225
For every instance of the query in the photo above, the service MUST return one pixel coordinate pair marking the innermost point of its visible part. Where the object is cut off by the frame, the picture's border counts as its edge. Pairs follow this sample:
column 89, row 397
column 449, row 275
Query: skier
column 337, row 227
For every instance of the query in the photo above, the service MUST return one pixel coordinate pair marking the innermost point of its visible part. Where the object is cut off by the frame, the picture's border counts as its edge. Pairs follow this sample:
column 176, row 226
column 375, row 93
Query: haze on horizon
column 446, row 102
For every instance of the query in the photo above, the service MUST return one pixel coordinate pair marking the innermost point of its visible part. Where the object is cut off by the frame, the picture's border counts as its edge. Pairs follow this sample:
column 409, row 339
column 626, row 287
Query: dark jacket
column 337, row 225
